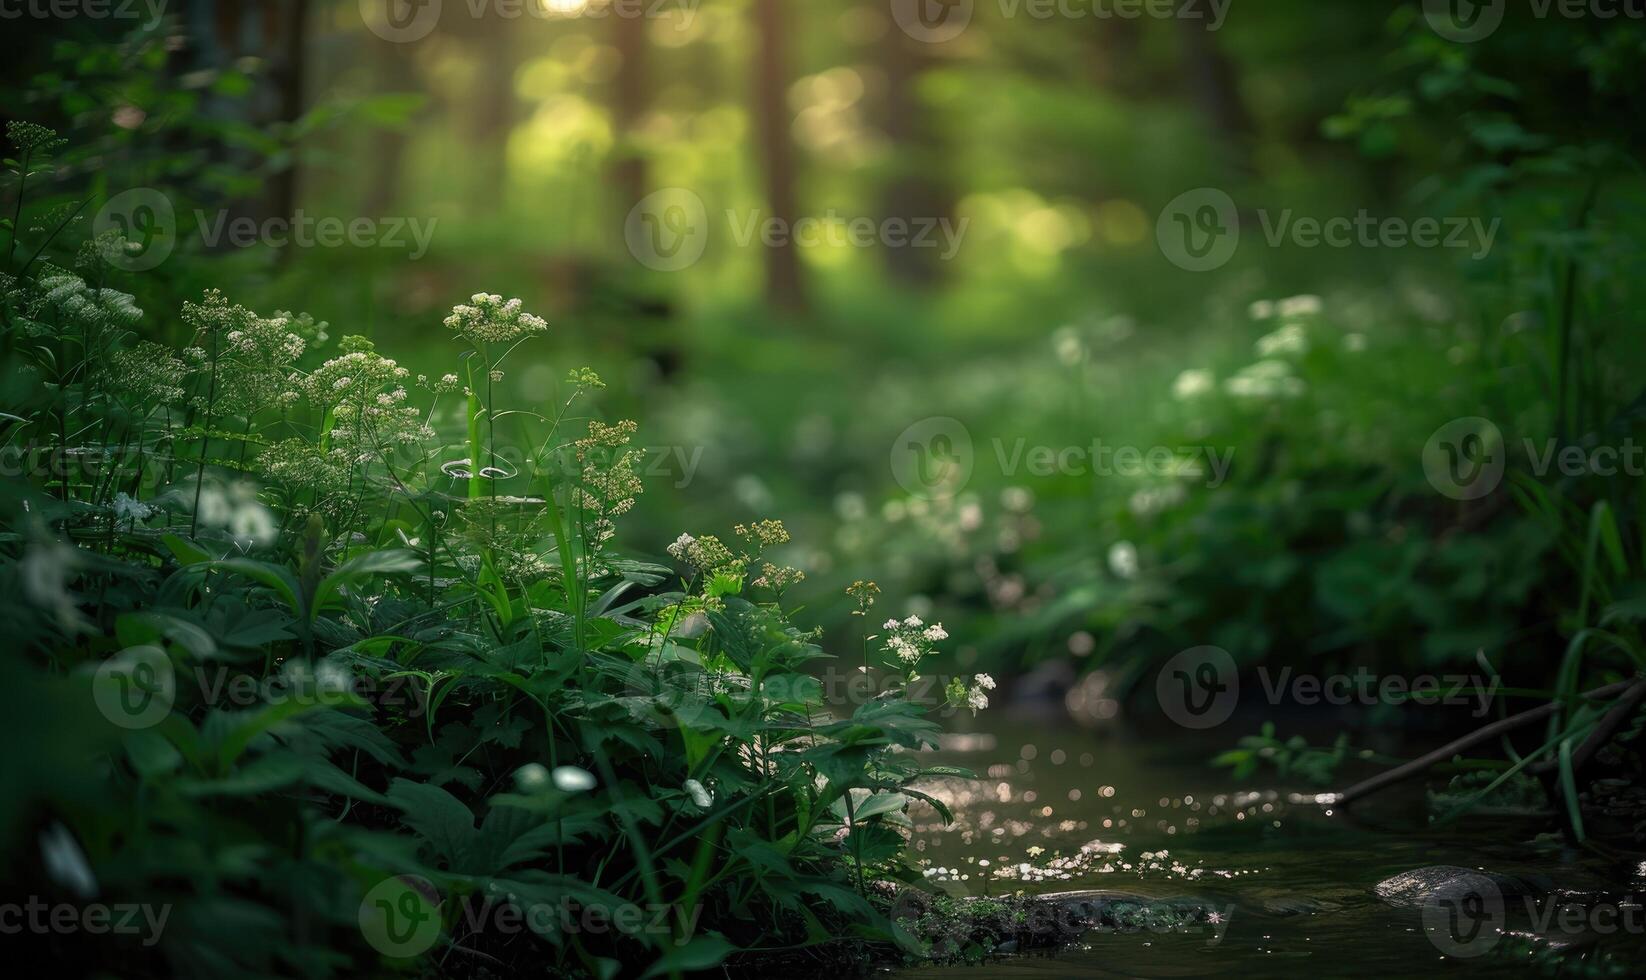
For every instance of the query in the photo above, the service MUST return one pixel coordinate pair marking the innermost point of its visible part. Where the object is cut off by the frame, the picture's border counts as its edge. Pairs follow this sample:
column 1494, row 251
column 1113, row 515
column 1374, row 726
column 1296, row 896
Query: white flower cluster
column 99, row 307
column 446, row 384
column 705, row 554
column 360, row 374
column 977, row 699
column 1267, row 379
column 1193, row 383
column 300, row 466
column 488, row 319
column 1289, row 339
column 148, row 374
column 974, row 695
column 368, row 425
column 1292, row 306
column 911, row 640
column 258, row 357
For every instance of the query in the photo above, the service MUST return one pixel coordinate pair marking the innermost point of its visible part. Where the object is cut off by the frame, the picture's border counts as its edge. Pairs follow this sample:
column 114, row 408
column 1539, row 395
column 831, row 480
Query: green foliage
column 1292, row 758
column 306, row 638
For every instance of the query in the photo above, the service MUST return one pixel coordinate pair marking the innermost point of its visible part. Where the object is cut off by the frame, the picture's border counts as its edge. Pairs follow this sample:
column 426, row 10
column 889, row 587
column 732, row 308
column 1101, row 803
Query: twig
column 1615, row 716
column 1502, row 726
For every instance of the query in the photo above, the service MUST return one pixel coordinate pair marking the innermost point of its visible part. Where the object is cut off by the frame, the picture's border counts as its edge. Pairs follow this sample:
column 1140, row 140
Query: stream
column 1287, row 886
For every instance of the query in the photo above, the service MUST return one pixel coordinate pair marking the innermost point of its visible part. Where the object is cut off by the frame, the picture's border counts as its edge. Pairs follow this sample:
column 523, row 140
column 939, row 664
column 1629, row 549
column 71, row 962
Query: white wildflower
column 570, row 779
column 1305, row 305
column 531, row 777
column 1289, row 339
column 1123, row 559
column 128, row 509
column 1192, row 384
column 699, row 794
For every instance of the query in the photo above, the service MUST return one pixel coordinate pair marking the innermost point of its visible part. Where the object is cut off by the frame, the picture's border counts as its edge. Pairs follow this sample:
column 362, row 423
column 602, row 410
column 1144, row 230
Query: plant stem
column 205, row 439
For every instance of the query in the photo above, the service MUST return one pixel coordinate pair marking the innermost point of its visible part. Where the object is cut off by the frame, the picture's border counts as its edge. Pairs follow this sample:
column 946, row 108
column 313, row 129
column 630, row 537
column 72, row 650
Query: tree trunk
column 388, row 144
column 274, row 32
column 784, row 288
column 1214, row 85
column 628, row 170
column 495, row 115
column 918, row 186
column 288, row 77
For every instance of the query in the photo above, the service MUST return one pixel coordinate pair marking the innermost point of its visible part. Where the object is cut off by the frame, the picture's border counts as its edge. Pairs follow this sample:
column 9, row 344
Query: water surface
column 1060, row 808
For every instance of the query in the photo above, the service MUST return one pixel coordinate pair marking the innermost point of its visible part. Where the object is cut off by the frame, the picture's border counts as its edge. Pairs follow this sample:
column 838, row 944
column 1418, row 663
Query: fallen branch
column 1418, row 766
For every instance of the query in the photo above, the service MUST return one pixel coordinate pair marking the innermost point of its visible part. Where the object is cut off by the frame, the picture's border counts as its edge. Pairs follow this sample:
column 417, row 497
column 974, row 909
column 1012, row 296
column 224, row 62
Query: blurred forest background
column 777, row 380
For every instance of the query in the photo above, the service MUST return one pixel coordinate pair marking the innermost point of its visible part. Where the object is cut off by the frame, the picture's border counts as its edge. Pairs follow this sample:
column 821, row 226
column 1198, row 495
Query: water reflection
column 1056, row 810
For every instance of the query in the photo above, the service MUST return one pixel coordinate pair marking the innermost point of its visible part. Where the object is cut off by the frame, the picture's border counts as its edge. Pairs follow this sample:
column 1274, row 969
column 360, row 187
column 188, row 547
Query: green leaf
column 437, row 816
column 262, row 775
column 373, row 563
column 140, row 628
column 866, row 804
column 1568, row 789
column 151, row 755
column 184, row 550
column 276, row 577
column 701, row 953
